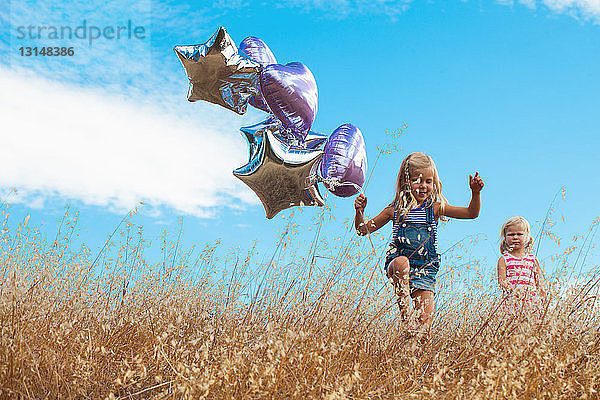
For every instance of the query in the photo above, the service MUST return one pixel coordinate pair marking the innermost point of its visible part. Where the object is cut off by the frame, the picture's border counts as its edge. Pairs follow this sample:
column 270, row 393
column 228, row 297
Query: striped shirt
column 415, row 216
column 520, row 272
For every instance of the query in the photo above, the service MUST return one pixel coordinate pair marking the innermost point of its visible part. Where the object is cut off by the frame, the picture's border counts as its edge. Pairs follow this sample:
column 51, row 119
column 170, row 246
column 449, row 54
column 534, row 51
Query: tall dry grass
column 322, row 324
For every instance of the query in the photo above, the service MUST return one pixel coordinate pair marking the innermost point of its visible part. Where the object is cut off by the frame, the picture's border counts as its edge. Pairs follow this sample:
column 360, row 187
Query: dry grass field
column 76, row 325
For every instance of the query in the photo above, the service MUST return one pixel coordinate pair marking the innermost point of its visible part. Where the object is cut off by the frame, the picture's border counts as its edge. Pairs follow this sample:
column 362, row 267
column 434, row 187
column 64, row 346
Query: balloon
column 281, row 175
column 312, row 141
column 258, row 51
column 315, row 140
column 344, row 163
column 218, row 73
column 291, row 93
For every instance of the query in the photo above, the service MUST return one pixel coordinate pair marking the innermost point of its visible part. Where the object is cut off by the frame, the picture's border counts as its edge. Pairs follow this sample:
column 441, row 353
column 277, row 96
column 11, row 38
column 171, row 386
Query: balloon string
column 362, row 191
column 362, row 217
column 364, row 188
column 332, row 183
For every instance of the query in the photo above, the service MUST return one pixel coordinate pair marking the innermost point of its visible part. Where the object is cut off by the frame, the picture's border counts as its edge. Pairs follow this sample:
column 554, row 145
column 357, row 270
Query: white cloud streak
column 105, row 150
column 588, row 10
column 584, row 8
column 339, row 9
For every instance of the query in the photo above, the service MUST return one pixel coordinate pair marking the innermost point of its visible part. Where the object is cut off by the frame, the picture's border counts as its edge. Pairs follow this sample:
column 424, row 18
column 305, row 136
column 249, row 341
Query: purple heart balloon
column 258, row 51
column 344, row 163
column 291, row 93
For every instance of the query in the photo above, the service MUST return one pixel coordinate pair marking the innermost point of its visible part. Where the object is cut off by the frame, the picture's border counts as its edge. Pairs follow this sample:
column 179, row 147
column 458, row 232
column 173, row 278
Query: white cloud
column 345, row 8
column 581, row 9
column 528, row 3
column 104, row 149
column 584, row 9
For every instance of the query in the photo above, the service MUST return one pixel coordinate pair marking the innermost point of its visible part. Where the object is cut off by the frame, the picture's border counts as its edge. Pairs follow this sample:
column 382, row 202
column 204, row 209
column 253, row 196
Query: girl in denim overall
column 412, row 259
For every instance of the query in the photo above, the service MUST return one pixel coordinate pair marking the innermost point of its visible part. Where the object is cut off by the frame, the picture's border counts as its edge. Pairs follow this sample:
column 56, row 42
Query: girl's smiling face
column 421, row 184
column 515, row 236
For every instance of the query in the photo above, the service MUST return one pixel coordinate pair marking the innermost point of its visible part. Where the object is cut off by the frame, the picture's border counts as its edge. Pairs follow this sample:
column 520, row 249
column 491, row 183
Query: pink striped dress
column 520, row 275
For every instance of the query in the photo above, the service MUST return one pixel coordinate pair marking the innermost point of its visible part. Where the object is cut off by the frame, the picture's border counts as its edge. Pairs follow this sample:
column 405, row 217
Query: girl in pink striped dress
column 519, row 273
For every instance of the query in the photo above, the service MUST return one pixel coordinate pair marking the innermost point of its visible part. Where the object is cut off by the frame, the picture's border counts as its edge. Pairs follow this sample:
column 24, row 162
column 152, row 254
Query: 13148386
column 44, row 51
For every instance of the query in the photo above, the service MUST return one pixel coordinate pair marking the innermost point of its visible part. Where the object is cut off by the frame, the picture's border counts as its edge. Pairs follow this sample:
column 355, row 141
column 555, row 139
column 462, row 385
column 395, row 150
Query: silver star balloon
column 218, row 73
column 281, row 175
column 315, row 140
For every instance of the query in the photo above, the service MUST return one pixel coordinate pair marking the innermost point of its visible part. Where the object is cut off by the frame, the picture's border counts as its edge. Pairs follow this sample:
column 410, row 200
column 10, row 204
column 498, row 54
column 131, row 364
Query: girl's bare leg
column 424, row 307
column 399, row 271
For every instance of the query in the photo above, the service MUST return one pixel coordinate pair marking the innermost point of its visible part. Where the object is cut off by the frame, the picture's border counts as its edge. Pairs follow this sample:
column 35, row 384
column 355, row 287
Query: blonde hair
column 528, row 246
column 404, row 201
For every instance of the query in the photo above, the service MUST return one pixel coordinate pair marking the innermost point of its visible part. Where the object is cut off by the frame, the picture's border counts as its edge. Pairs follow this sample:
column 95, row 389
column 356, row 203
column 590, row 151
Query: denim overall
column 416, row 242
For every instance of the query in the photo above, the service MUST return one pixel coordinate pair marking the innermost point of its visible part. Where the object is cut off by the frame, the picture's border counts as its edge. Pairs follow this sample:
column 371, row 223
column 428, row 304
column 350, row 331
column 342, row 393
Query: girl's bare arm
column 502, row 275
column 362, row 227
column 472, row 211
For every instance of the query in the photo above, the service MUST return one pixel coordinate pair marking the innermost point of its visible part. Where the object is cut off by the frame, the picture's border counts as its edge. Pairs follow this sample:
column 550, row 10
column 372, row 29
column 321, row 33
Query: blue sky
column 509, row 89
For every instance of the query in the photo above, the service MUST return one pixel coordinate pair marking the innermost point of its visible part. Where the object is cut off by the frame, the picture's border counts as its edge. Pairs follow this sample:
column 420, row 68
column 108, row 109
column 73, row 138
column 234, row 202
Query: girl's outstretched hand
column 476, row 183
column 360, row 203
